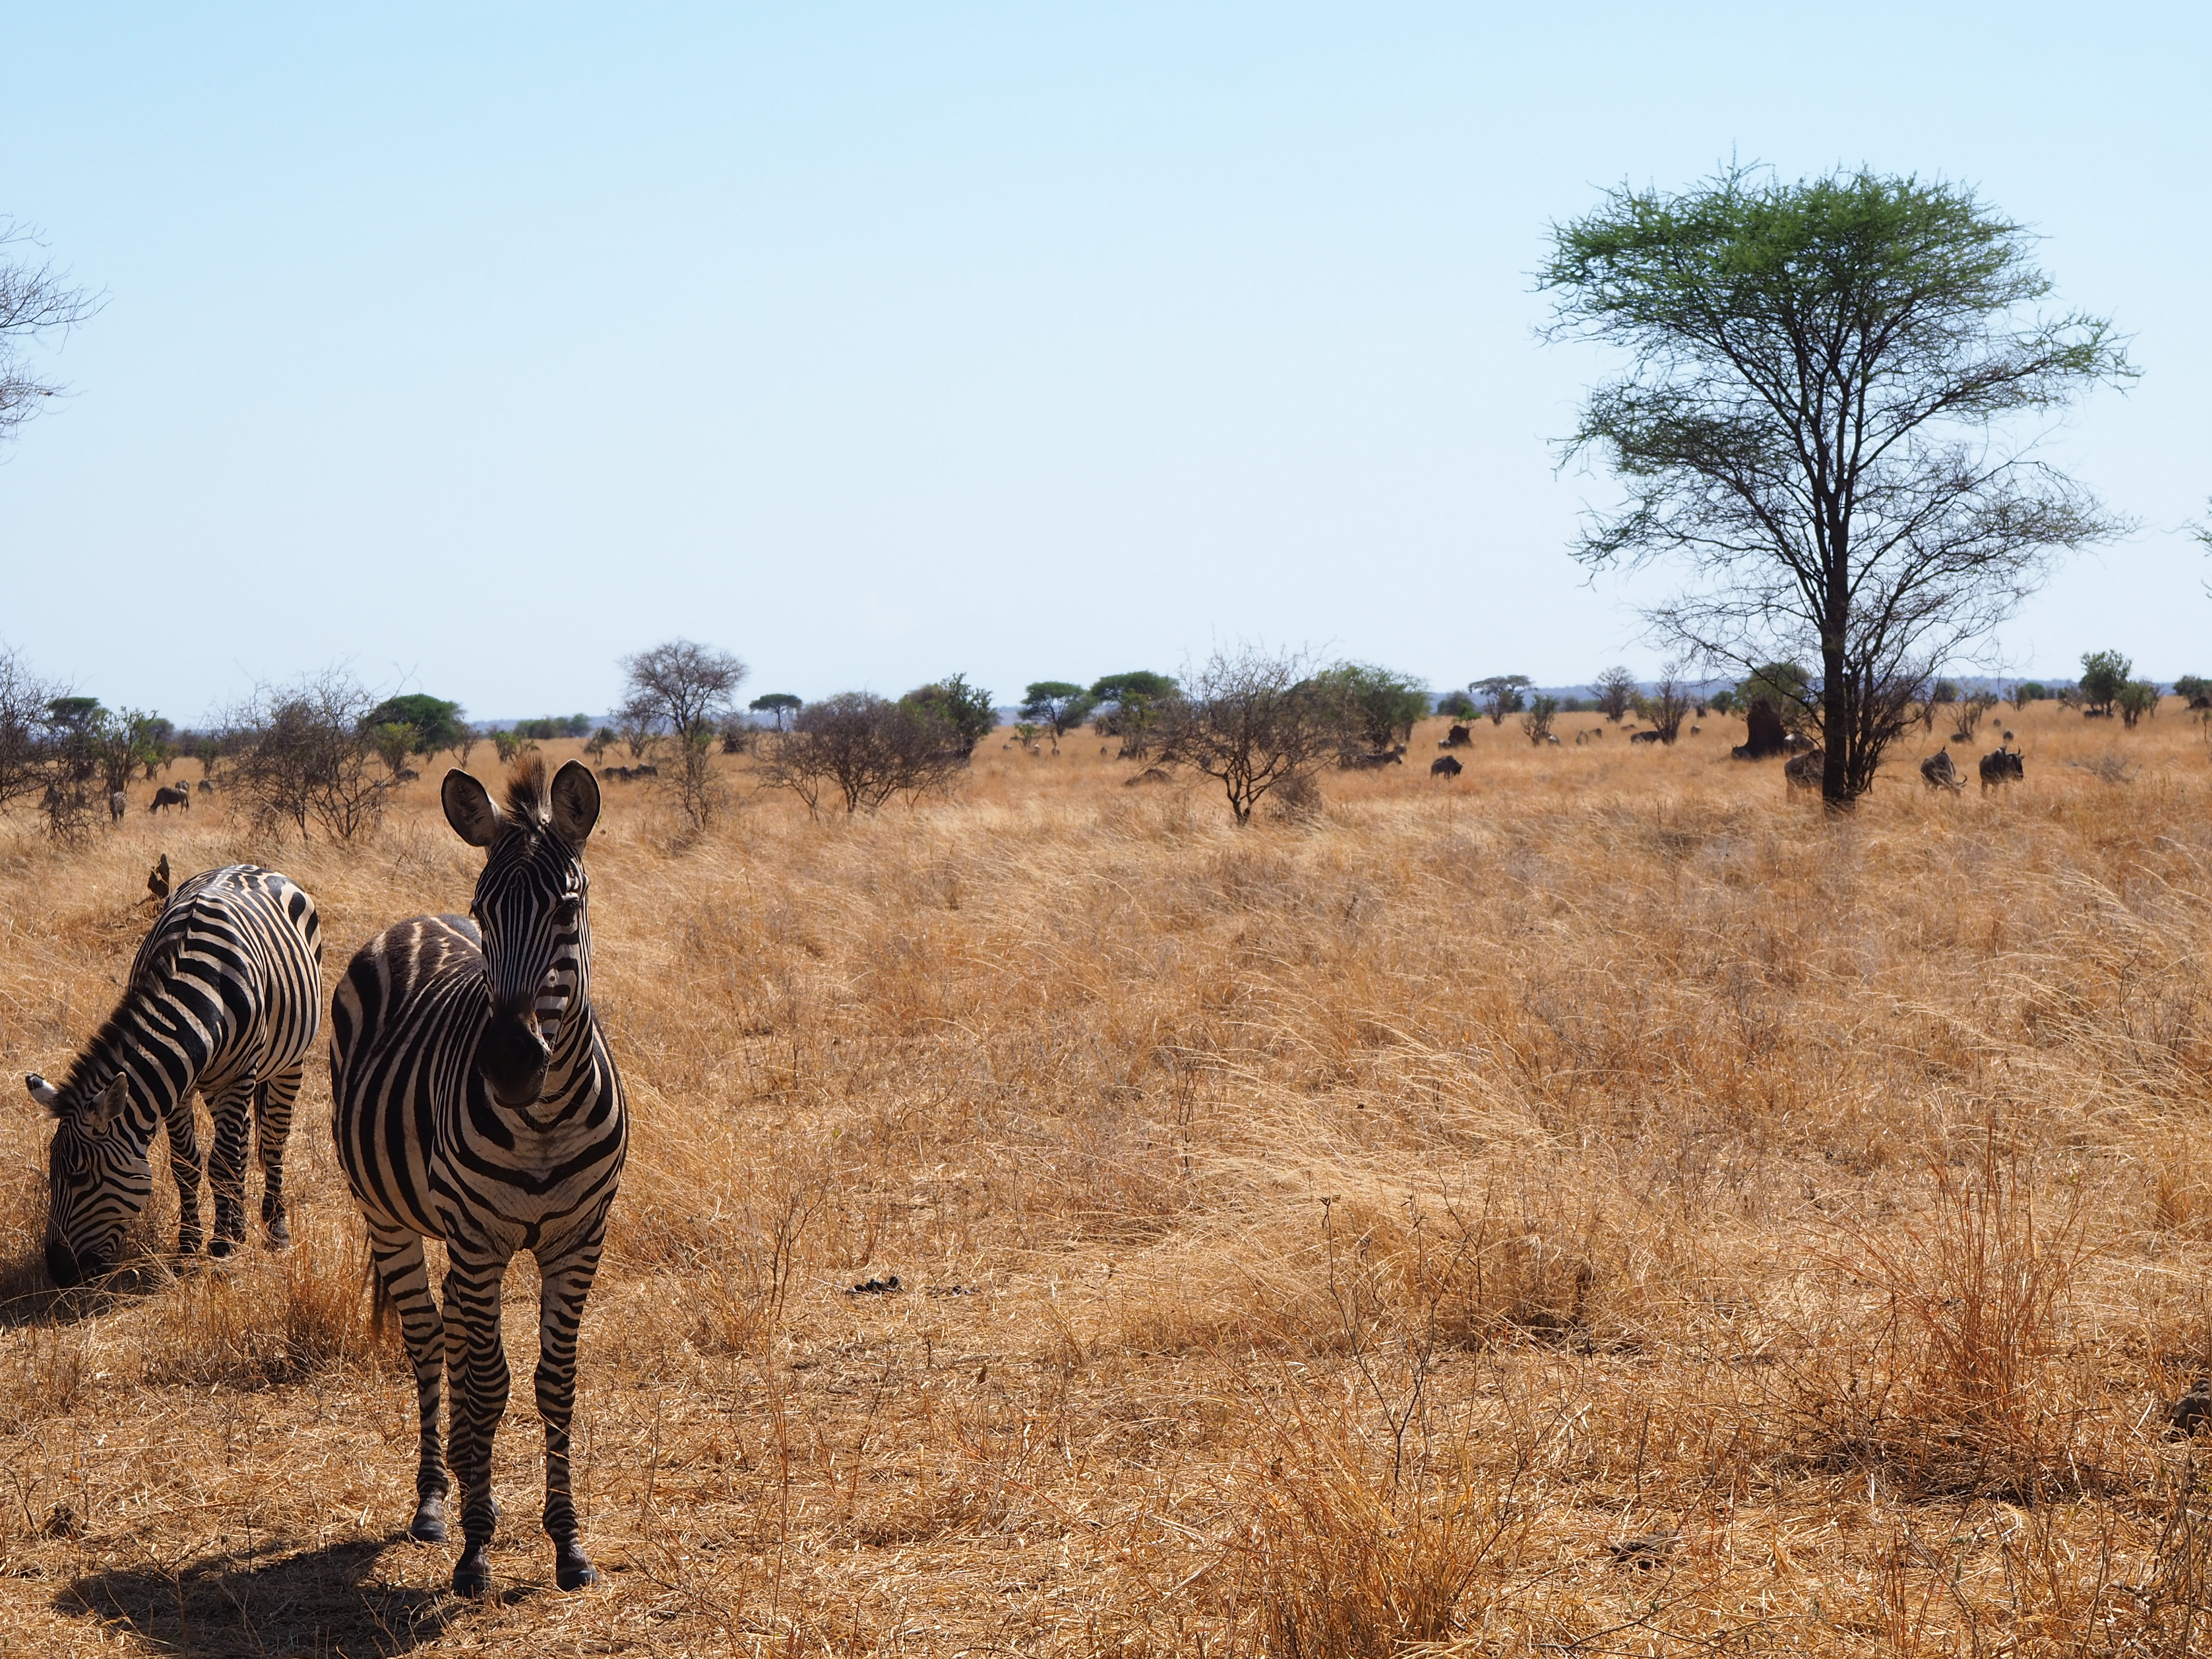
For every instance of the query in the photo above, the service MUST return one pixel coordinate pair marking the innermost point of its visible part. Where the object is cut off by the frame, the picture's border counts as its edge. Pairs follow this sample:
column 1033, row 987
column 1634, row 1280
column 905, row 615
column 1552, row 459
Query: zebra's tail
column 379, row 1300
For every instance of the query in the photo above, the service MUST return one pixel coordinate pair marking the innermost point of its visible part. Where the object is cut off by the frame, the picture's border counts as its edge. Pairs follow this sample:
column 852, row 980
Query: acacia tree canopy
column 1814, row 420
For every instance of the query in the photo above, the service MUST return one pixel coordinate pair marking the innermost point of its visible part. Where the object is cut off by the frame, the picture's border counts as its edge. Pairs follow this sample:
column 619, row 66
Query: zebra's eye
column 566, row 912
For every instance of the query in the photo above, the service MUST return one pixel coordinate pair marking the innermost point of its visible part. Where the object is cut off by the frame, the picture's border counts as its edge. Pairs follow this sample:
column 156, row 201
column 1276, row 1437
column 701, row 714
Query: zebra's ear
column 575, row 803
column 470, row 808
column 42, row 1091
column 97, row 1116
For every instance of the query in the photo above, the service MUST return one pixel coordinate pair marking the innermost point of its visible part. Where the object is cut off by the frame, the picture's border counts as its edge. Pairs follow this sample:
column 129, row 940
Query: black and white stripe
column 474, row 1101
column 225, row 996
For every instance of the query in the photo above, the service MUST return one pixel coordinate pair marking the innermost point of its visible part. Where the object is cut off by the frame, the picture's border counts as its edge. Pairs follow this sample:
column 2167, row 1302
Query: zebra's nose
column 61, row 1265
column 512, row 1057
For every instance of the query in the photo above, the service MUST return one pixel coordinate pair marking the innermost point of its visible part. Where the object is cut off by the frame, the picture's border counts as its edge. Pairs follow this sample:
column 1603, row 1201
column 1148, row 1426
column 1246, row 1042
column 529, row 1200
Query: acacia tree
column 1130, row 707
column 35, row 301
column 1058, row 704
column 1815, row 418
column 684, row 691
column 1376, row 707
column 1614, row 693
column 1501, row 696
column 1666, row 708
column 24, row 750
column 1254, row 720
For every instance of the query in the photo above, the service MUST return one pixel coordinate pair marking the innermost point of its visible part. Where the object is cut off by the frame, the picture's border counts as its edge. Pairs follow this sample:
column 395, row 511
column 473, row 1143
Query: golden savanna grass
column 1596, row 1206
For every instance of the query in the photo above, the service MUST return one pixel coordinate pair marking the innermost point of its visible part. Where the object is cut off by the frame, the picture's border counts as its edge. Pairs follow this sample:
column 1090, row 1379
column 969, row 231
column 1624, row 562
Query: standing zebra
column 473, row 1100
column 226, row 994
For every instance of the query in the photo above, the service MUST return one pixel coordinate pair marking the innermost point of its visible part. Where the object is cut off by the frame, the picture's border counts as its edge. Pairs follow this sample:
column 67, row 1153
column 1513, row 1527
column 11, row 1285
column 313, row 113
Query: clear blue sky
column 476, row 346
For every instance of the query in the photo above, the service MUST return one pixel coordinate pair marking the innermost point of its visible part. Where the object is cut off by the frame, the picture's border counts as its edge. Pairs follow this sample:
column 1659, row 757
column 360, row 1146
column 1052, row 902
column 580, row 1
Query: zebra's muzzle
column 63, row 1265
column 512, row 1057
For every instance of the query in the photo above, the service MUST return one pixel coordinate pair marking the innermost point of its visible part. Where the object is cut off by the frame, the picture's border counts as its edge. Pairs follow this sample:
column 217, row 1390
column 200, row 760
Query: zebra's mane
column 525, row 791
column 101, row 1057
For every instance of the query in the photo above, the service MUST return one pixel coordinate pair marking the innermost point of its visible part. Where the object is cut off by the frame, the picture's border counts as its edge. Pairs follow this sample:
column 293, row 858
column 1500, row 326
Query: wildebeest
column 406, row 775
column 1803, row 771
column 157, row 881
column 1644, row 737
column 172, row 794
column 1938, row 773
column 1457, row 738
column 1149, row 775
column 117, row 803
column 207, row 785
column 1445, row 766
column 2001, row 766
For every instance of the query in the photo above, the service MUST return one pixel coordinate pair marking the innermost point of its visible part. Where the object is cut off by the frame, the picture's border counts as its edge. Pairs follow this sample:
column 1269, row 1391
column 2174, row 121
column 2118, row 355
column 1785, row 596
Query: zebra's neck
column 144, row 1038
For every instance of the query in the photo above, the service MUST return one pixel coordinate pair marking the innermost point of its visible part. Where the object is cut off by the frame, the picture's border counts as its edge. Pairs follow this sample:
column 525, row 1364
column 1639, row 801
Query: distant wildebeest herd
column 473, row 1100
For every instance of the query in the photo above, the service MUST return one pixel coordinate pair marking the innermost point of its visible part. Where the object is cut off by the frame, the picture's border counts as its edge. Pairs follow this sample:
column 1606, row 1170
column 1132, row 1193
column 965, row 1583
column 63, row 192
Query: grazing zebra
column 225, row 996
column 473, row 1100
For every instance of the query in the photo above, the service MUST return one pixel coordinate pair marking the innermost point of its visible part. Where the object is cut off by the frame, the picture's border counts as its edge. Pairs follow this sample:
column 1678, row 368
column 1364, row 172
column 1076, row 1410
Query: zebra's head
column 97, row 1180
column 530, row 904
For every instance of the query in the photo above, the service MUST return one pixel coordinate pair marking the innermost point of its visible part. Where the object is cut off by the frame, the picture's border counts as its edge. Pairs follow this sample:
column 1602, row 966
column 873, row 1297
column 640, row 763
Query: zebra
column 225, row 994
column 473, row 1100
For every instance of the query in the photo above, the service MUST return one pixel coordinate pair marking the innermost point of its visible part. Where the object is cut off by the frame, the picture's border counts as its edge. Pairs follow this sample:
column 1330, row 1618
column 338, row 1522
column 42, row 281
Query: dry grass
column 1595, row 1206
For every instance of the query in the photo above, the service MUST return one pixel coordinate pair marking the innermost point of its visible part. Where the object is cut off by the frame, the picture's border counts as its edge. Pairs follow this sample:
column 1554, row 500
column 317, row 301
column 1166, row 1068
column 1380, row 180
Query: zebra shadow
column 272, row 1599
column 29, row 1297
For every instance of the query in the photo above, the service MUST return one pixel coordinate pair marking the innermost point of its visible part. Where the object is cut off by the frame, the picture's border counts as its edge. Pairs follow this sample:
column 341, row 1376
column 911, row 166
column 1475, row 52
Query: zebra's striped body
column 473, row 1100
column 226, row 996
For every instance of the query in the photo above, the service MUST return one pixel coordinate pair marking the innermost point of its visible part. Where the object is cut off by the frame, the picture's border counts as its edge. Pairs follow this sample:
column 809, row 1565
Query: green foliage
column 1944, row 691
column 776, row 704
column 2136, row 699
column 394, row 741
column 1784, row 687
column 435, row 723
column 1377, row 707
column 1130, row 707
column 1759, row 317
column 2193, row 689
column 962, row 709
column 1537, row 722
column 2028, row 691
column 2104, row 676
column 1457, row 704
column 1058, row 704
column 1722, row 701
column 1501, row 694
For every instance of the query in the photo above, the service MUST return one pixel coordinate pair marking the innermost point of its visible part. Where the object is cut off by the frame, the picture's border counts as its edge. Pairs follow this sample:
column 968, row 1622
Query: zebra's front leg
column 231, row 1108
column 476, row 1362
column 185, row 1170
column 567, row 1281
column 405, row 1279
column 272, row 1127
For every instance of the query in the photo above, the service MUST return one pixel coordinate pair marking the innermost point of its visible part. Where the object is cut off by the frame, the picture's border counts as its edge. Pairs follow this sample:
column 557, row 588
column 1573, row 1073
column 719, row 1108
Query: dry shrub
column 1367, row 1536
column 1947, row 1384
column 260, row 1320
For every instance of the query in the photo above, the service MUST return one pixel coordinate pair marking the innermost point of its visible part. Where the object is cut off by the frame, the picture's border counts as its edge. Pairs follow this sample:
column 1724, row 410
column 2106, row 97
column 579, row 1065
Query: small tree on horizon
column 1501, row 694
column 1056, row 704
column 683, row 690
column 1133, row 705
column 1254, row 720
column 776, row 704
column 1537, row 722
column 1614, row 693
column 2104, row 677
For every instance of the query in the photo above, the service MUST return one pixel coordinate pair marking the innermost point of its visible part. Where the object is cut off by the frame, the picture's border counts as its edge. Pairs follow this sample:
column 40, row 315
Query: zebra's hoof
column 428, row 1526
column 572, row 1568
column 220, row 1248
column 279, row 1234
column 473, row 1573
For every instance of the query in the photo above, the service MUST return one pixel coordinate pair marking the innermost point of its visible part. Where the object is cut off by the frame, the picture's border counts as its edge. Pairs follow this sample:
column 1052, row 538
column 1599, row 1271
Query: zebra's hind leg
column 403, row 1280
column 272, row 1127
column 227, row 1165
column 566, row 1282
column 477, row 1362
